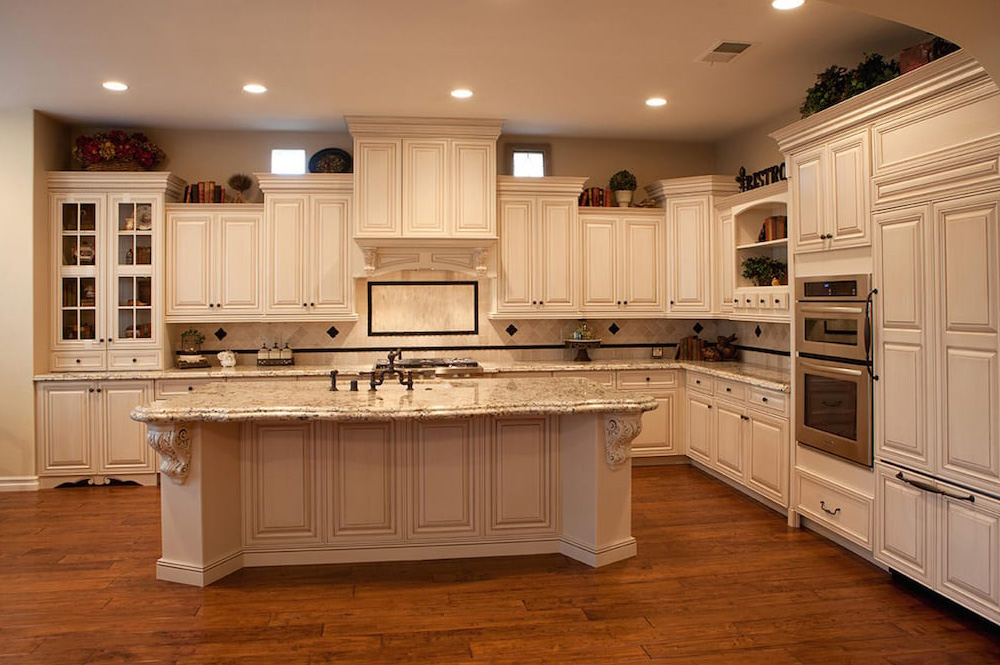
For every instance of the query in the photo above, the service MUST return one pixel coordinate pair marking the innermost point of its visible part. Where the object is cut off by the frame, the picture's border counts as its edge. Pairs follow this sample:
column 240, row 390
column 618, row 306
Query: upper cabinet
column 307, row 249
column 538, row 266
column 424, row 177
column 107, row 255
column 690, row 208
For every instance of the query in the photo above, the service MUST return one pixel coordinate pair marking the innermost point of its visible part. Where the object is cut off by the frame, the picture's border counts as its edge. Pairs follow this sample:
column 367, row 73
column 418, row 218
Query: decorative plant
column 835, row 84
column 116, row 148
column 761, row 270
column 240, row 182
column 623, row 180
column 191, row 339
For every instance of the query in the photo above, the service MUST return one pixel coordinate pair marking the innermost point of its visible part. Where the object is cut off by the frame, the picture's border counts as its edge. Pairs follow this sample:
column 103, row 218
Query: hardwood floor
column 718, row 579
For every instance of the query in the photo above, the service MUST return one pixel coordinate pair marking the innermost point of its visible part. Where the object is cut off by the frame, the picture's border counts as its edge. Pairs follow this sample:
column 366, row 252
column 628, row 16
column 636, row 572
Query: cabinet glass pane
column 79, row 298
column 88, row 324
column 126, row 250
column 135, row 313
column 70, row 217
column 70, row 292
column 143, row 250
column 88, row 292
column 88, row 217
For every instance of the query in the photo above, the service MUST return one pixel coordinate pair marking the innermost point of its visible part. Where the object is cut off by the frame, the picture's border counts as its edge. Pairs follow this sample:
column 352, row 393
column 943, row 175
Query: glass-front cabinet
column 108, row 237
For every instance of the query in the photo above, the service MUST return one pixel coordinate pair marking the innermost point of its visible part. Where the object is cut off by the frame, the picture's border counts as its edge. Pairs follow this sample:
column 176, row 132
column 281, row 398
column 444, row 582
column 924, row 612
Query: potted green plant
column 191, row 341
column 764, row 270
column 623, row 184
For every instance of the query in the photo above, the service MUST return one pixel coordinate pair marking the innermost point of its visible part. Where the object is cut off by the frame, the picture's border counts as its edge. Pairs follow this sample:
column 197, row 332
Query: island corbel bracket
column 173, row 443
column 620, row 429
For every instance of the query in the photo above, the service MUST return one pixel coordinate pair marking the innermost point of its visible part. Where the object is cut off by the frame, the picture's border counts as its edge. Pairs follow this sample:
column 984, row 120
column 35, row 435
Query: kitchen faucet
column 378, row 376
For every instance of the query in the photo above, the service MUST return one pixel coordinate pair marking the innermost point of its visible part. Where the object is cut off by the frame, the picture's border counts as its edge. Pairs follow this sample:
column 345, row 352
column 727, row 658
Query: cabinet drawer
column 837, row 508
column 779, row 301
column 700, row 382
column 647, row 379
column 733, row 390
column 165, row 387
column 67, row 361
column 763, row 300
column 603, row 378
column 769, row 400
column 135, row 360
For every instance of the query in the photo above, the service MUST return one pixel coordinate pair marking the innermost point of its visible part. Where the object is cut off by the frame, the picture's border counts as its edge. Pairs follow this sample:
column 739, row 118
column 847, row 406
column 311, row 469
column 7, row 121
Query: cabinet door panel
column 969, row 288
column 517, row 244
column 522, row 488
column 970, row 552
column 600, row 265
column 189, row 263
column 767, row 469
column 282, row 489
column 729, row 439
column 475, row 187
column 657, row 435
column 725, row 266
column 123, row 440
column 332, row 288
column 240, row 258
column 557, row 273
column 849, row 178
column 905, row 526
column 699, row 428
column 691, row 235
column 425, row 187
column 808, row 204
column 643, row 280
column 377, row 187
column 286, row 291
column 365, row 493
column 445, row 485
column 67, row 427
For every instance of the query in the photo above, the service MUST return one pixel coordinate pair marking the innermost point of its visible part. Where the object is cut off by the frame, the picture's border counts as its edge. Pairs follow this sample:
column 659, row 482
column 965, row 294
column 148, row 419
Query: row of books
column 774, row 228
column 204, row 192
column 596, row 197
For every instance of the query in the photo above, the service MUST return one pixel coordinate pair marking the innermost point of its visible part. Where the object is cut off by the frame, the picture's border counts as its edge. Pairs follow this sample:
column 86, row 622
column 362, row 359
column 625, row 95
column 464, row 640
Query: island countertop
column 313, row 400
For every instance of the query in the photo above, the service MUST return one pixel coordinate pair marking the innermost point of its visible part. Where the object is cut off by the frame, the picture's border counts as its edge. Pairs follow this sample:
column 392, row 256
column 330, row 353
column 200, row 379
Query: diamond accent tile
column 220, row 334
column 511, row 329
column 698, row 328
column 757, row 331
column 613, row 329
column 332, row 332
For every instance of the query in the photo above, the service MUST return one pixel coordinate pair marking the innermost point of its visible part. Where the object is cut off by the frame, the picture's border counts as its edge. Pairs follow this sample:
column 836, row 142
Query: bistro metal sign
column 768, row 176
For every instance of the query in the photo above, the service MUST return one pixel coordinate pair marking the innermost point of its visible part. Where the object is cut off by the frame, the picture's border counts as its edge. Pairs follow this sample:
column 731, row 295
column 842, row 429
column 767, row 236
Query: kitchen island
column 290, row 472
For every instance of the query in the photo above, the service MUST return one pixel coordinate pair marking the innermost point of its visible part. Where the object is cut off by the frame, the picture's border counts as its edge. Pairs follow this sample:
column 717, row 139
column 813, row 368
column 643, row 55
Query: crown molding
column 569, row 185
column 711, row 185
column 309, row 183
column 130, row 181
column 405, row 127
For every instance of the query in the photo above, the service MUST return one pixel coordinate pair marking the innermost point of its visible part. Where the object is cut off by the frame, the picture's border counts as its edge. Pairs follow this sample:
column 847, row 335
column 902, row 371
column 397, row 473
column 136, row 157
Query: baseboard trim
column 19, row 484
column 182, row 573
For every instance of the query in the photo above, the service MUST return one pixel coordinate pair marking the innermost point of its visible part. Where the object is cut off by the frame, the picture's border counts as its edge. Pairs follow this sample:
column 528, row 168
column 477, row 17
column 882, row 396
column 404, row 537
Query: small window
column 529, row 161
column 288, row 162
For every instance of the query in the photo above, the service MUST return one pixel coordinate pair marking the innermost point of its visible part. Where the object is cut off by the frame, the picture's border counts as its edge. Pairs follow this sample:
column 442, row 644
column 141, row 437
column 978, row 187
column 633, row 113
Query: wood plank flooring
column 718, row 579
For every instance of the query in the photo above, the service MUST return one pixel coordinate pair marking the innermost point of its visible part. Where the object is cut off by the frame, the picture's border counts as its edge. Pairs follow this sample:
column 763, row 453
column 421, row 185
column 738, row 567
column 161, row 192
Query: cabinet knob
column 671, row 302
column 218, row 304
column 110, row 339
column 777, row 301
column 98, row 390
column 709, row 406
column 647, row 378
column 312, row 304
column 133, row 360
column 101, row 340
column 190, row 388
column 90, row 390
column 729, row 390
column 304, row 305
column 761, row 301
column 763, row 399
column 735, row 300
column 211, row 305
column 541, row 302
column 698, row 381
column 77, row 361
column 619, row 302
column 534, row 302
column 626, row 302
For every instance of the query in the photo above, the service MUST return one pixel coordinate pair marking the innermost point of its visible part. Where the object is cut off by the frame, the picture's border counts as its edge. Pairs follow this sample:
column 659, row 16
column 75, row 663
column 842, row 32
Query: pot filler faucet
column 379, row 376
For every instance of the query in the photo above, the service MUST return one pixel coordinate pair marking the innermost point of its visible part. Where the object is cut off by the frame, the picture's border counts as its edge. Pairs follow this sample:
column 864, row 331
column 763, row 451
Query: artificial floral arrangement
column 117, row 151
column 240, row 182
column 835, row 84
column 622, row 181
column 764, row 270
column 191, row 340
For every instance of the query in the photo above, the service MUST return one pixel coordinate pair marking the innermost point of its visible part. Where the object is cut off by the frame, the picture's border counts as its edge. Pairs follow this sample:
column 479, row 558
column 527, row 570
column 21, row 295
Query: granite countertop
column 764, row 377
column 291, row 400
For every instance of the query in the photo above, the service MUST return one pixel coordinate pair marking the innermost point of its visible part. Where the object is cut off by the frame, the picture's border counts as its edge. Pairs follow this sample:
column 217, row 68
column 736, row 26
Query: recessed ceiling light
column 656, row 101
column 786, row 4
column 254, row 88
column 116, row 86
column 461, row 93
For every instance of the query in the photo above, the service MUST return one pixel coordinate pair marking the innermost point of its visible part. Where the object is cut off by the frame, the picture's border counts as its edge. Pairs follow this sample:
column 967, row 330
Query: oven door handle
column 927, row 487
column 814, row 368
column 831, row 309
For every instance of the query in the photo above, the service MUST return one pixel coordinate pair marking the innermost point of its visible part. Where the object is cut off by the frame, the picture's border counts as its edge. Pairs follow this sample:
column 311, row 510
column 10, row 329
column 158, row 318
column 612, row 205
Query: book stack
column 204, row 192
column 775, row 228
column 595, row 197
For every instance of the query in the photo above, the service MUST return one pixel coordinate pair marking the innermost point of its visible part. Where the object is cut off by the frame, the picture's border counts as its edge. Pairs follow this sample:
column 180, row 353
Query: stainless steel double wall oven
column 833, row 365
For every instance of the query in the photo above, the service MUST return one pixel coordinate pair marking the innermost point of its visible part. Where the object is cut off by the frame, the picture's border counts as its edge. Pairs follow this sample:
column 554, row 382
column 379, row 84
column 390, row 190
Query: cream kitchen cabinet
column 307, row 250
column 424, row 177
column 107, row 257
column 214, row 260
column 624, row 259
column 830, row 200
column 741, row 432
column 85, row 432
column 659, row 436
column 725, row 263
column 538, row 271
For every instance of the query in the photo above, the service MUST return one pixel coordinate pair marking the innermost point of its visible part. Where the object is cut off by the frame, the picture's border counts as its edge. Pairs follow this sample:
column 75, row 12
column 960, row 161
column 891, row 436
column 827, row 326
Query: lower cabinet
column 739, row 432
column 86, row 432
column 659, row 436
column 940, row 535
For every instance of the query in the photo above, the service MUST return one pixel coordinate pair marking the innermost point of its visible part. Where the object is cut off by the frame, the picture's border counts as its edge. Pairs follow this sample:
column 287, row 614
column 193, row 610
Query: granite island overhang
column 290, row 472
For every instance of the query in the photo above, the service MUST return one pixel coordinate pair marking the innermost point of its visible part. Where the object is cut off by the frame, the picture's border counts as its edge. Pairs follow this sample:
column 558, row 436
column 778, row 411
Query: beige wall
column 753, row 148
column 600, row 158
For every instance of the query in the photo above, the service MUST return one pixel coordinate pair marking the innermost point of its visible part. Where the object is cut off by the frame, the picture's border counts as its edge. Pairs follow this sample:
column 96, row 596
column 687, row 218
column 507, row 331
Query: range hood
column 384, row 255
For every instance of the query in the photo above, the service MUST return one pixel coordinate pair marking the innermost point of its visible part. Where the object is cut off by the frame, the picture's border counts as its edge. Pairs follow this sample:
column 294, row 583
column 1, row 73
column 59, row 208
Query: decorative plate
column 330, row 160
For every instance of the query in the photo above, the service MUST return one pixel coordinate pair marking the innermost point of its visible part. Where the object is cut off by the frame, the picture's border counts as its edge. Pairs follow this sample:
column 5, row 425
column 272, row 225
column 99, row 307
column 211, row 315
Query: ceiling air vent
column 724, row 52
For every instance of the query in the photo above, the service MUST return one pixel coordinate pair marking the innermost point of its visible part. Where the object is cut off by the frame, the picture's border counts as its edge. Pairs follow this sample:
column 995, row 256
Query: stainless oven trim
column 859, row 452
column 840, row 310
column 864, row 286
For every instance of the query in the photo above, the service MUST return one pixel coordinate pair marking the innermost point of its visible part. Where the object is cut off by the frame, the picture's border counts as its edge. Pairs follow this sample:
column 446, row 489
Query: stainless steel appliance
column 435, row 367
column 833, row 365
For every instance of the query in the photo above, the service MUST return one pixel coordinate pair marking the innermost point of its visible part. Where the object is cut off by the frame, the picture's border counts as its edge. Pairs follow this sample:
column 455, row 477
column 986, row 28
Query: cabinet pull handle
column 744, row 417
column 934, row 490
column 835, row 511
